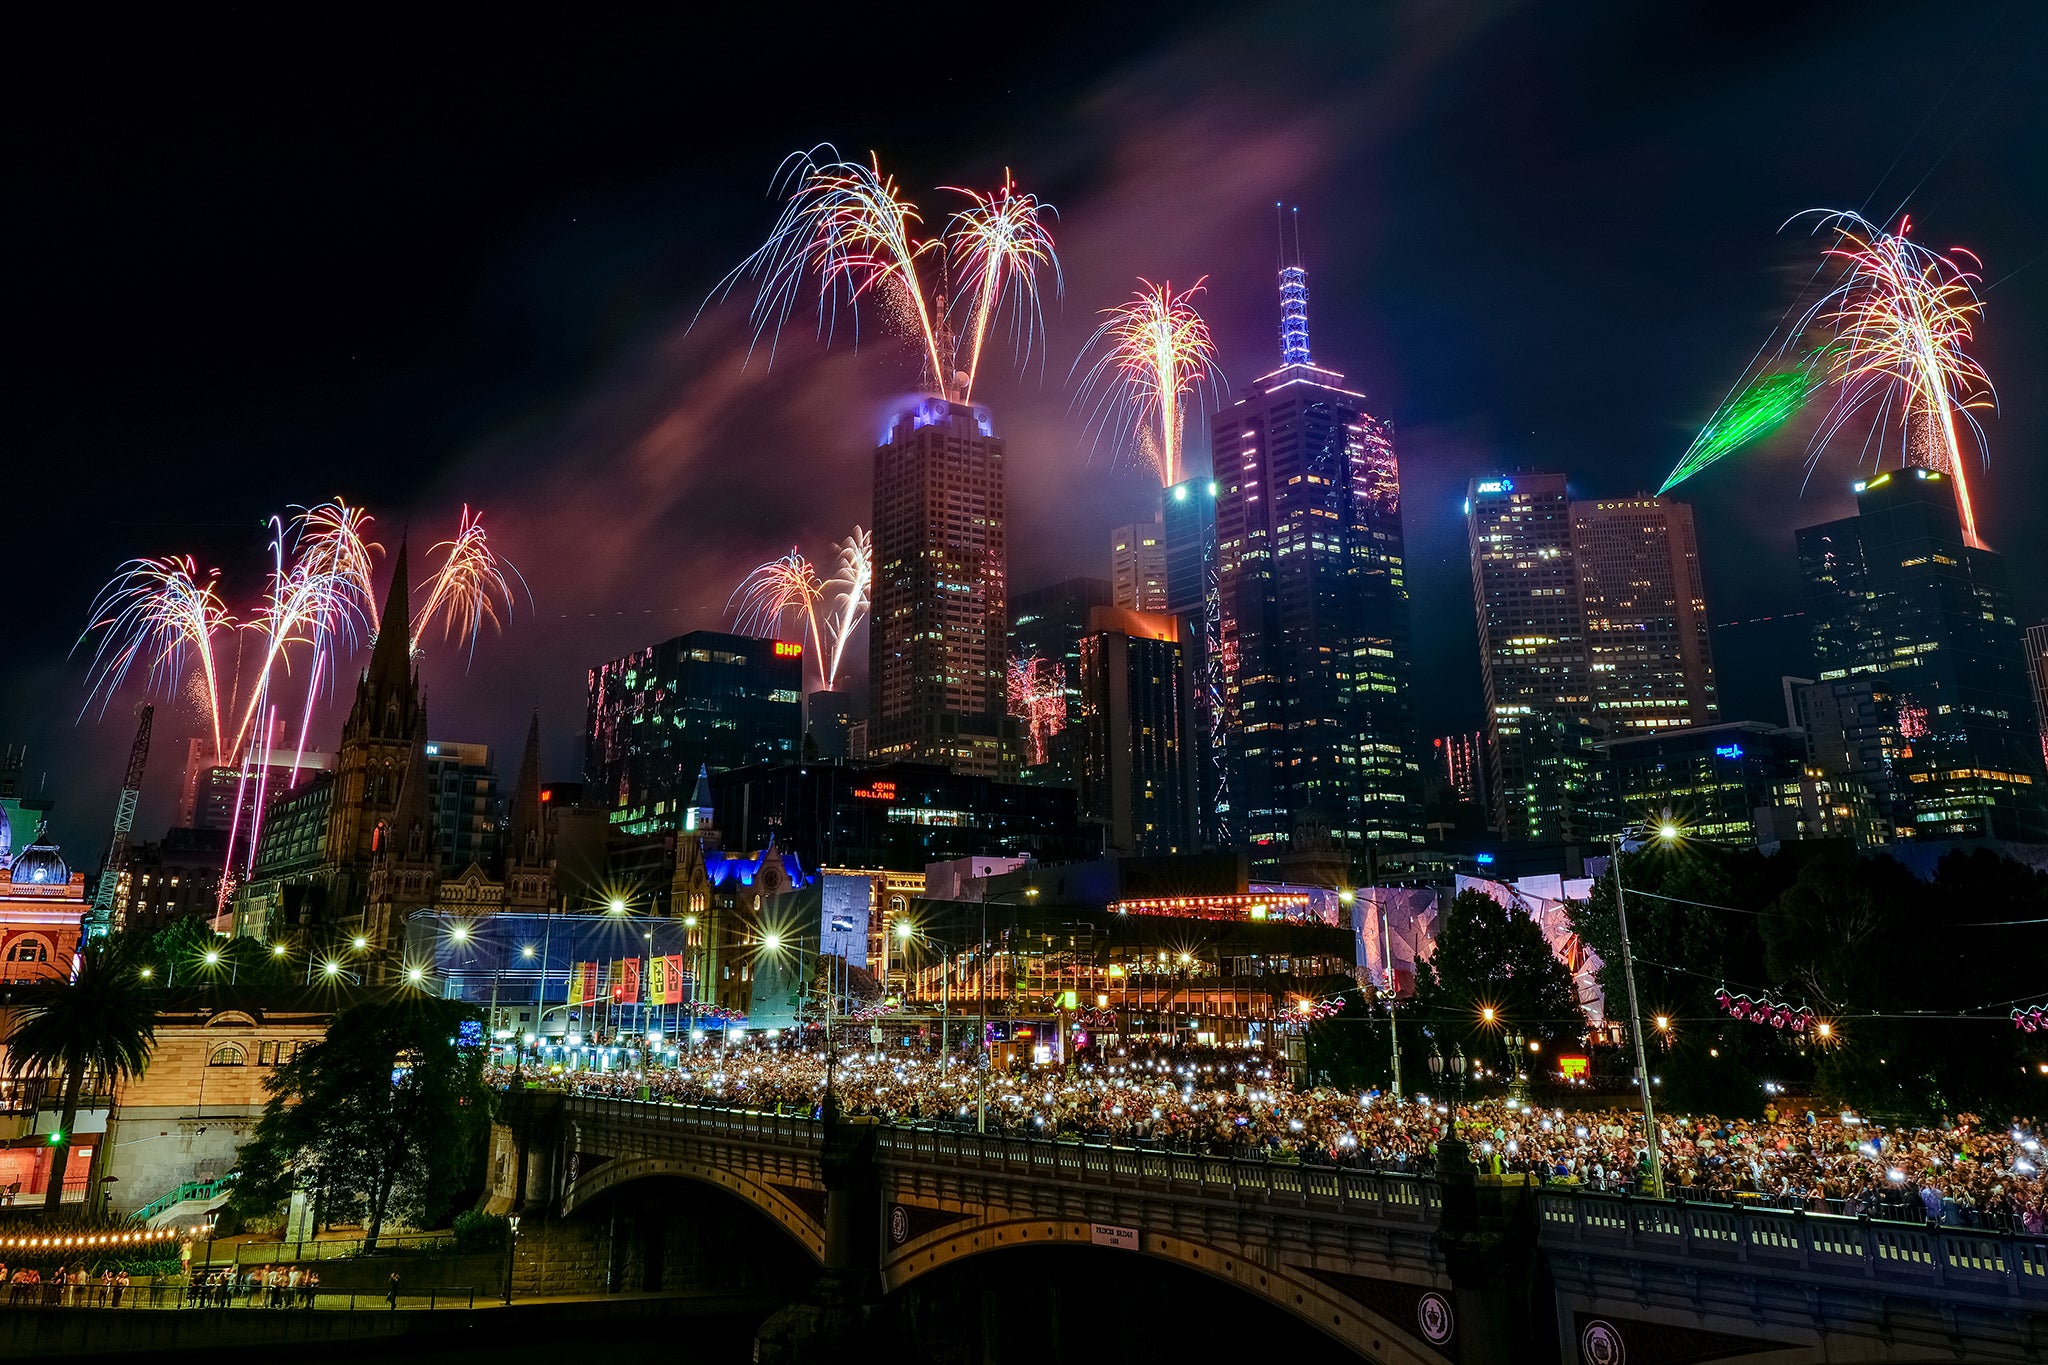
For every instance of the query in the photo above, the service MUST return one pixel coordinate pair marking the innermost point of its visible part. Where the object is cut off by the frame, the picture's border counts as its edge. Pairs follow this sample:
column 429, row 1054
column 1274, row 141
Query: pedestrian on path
column 391, row 1295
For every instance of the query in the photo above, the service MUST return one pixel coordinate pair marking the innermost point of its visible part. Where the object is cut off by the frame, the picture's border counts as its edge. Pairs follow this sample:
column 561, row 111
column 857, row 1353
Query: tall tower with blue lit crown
column 1312, row 606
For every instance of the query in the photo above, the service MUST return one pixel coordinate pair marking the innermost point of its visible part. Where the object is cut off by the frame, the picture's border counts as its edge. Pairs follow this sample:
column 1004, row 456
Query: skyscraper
column 936, row 633
column 1188, row 525
column 1541, row 766
column 1048, row 624
column 1646, row 616
column 1894, row 594
column 1312, row 606
column 1137, row 566
column 1592, row 627
column 2037, row 674
column 1135, row 712
column 657, row 715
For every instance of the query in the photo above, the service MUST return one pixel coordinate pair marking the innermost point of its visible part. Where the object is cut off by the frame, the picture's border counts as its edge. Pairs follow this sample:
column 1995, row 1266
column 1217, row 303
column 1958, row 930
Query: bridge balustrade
column 1935, row 1260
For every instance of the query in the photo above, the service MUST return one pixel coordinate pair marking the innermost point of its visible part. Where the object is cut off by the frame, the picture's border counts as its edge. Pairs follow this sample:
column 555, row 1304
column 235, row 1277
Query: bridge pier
column 830, row 1321
column 1488, row 1240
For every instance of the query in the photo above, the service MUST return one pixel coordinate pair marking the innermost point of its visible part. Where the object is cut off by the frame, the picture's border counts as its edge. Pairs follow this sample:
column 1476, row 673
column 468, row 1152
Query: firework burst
column 768, row 597
column 1038, row 699
column 1902, row 318
column 471, row 586
column 998, row 244
column 851, row 590
column 1155, row 358
column 164, row 615
column 849, row 235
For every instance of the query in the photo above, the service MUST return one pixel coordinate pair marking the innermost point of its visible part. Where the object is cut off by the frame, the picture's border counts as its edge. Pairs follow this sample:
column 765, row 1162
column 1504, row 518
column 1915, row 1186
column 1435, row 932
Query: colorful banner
column 579, row 982
column 679, row 992
column 657, row 981
column 628, row 992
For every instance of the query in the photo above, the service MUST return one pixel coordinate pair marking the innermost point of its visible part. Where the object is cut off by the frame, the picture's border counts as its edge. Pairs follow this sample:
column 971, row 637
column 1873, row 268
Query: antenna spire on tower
column 1293, row 300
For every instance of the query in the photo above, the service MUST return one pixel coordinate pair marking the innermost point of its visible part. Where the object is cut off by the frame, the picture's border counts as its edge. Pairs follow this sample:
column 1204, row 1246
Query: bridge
column 1461, row 1268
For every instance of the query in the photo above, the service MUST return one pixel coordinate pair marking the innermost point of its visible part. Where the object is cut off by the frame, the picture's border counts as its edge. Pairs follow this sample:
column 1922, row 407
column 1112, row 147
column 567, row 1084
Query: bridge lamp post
column 1668, row 833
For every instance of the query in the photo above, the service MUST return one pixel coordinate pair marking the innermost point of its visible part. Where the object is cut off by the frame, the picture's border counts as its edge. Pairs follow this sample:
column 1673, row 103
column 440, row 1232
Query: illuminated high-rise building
column 1137, row 563
column 1592, row 627
column 658, row 716
column 1048, row 624
column 1133, row 773
column 936, row 665
column 1542, row 769
column 1646, row 616
column 1895, row 596
column 1312, row 606
column 1188, row 523
column 2037, row 675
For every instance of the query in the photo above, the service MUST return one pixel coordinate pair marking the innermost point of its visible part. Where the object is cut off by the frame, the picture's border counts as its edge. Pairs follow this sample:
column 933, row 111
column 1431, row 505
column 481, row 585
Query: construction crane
column 100, row 920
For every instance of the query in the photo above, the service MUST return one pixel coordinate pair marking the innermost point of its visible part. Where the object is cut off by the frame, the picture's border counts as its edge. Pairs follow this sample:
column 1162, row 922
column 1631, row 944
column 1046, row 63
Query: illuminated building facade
column 937, row 672
column 1742, row 782
column 42, row 912
column 171, row 879
column 1048, row 624
column 659, row 714
column 1646, row 616
column 1460, row 764
column 1895, row 595
column 1312, row 605
column 2037, row 674
column 897, row 817
column 1542, row 770
column 1188, row 520
column 1134, row 720
column 1223, row 968
column 1137, row 566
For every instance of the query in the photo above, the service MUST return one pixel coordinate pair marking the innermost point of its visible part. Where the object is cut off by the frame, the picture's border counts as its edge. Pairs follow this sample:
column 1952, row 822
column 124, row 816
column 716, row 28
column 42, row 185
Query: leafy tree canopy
column 386, row 1115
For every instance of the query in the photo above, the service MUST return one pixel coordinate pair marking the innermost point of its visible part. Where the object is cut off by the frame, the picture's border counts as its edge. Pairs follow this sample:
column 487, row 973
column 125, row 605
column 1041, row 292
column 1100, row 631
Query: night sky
column 255, row 266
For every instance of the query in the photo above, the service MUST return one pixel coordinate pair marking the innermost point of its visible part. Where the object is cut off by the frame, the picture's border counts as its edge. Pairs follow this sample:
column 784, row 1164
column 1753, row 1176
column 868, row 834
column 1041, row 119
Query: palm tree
column 102, row 1020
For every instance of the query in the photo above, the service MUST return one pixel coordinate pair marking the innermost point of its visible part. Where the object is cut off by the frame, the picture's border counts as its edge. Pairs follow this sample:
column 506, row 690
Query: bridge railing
column 1385, row 1196
column 1938, row 1259
column 1391, row 1197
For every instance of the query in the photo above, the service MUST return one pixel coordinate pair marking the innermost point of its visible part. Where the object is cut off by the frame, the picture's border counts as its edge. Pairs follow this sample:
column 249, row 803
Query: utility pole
column 1635, row 1028
column 99, row 921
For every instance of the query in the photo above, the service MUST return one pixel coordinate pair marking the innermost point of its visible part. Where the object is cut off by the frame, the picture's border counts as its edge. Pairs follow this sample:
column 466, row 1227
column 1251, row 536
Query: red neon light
column 877, row 791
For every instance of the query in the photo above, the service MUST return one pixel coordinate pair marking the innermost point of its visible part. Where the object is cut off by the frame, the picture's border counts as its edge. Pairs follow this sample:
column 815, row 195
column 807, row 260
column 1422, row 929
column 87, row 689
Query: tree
column 1916, row 976
column 188, row 952
column 1489, row 957
column 1686, row 945
column 387, row 1113
column 97, row 1023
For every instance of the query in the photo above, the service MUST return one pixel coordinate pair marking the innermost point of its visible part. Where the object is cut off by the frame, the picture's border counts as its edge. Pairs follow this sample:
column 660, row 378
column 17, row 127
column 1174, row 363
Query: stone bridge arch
column 790, row 1207
column 1328, row 1300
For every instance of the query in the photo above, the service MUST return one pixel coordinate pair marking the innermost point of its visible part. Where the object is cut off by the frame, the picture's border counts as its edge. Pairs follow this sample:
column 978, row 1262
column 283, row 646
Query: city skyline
column 593, row 450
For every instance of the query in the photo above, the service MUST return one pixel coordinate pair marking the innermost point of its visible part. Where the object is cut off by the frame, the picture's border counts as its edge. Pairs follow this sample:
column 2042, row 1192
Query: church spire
column 526, row 834
column 391, row 658
column 699, row 817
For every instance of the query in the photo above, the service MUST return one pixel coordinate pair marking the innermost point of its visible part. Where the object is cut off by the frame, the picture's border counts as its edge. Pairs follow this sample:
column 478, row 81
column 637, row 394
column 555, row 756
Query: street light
column 1668, row 832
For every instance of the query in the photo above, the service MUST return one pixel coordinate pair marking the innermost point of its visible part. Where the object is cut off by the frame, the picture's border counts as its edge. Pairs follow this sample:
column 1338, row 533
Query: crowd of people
column 1236, row 1102
column 67, row 1286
